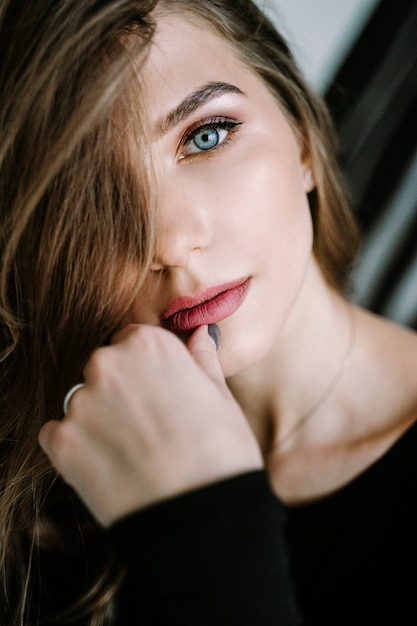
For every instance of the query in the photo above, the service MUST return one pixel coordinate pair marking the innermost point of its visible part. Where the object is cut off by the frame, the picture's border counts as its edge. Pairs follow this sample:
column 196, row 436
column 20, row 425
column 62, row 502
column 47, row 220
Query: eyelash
column 216, row 123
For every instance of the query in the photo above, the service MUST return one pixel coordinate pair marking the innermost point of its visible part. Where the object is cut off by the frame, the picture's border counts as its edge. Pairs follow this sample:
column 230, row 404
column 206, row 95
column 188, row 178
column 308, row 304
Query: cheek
column 259, row 201
column 275, row 239
column 143, row 310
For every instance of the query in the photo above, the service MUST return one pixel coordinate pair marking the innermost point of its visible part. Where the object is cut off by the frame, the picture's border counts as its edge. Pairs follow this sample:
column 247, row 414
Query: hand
column 153, row 420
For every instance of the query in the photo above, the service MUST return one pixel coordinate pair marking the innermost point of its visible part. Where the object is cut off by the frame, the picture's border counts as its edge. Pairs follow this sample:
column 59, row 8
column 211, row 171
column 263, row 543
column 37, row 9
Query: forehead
column 185, row 55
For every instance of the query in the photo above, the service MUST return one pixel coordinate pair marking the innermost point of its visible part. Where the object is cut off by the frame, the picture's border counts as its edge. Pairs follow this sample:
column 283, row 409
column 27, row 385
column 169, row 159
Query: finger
column 203, row 350
column 47, row 434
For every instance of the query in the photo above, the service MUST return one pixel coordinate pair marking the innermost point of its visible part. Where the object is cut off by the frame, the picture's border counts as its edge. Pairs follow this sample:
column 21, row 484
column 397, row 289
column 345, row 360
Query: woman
column 165, row 173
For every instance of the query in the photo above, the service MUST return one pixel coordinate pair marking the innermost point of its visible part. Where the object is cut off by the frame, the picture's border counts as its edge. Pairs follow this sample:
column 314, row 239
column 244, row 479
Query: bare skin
column 127, row 441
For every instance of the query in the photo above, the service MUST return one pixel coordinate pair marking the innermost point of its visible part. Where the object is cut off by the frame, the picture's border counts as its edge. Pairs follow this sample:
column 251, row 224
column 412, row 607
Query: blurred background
column 321, row 31
column 362, row 56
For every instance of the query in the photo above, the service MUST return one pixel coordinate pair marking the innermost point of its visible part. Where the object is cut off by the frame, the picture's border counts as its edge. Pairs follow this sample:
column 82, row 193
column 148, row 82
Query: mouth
column 209, row 307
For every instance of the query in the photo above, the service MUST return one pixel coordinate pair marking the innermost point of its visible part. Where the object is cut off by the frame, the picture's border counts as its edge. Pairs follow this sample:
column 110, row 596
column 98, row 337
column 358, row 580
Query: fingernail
column 214, row 334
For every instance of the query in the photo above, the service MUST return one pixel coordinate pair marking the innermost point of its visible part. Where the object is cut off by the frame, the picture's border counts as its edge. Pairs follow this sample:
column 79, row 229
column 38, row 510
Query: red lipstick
column 208, row 307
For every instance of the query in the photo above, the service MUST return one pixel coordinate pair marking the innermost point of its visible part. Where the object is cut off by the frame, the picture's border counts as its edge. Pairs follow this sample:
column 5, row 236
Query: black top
column 212, row 557
column 354, row 553
column 217, row 556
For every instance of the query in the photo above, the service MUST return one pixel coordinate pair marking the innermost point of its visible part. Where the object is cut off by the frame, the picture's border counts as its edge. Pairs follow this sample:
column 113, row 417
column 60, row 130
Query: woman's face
column 234, row 230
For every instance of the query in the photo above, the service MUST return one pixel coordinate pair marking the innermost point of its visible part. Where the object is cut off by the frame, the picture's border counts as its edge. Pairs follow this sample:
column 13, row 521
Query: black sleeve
column 212, row 557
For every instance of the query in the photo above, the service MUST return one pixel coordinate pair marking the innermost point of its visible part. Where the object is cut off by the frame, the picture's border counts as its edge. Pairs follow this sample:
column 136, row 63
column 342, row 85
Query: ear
column 309, row 182
column 307, row 166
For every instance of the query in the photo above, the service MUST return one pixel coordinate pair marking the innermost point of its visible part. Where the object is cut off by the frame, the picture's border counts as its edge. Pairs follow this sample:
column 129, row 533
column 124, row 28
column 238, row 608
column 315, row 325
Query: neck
column 303, row 370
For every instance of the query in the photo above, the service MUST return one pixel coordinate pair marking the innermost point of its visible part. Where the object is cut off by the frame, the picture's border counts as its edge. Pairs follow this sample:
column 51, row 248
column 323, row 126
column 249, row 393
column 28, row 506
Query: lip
column 208, row 307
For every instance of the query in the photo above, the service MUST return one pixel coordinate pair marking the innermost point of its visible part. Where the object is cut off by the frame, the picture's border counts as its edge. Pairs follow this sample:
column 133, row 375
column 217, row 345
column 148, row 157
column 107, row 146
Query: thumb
column 202, row 346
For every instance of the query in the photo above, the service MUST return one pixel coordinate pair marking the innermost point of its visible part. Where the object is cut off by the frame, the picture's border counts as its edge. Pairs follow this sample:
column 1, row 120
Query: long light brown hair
column 75, row 238
column 76, row 235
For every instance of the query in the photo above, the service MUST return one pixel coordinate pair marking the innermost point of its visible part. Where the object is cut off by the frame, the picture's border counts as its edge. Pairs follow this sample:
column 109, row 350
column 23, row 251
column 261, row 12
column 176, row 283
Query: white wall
column 319, row 31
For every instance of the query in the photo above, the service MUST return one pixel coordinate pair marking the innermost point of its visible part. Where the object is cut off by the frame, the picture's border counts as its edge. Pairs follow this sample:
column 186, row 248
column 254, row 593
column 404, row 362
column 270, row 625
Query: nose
column 182, row 231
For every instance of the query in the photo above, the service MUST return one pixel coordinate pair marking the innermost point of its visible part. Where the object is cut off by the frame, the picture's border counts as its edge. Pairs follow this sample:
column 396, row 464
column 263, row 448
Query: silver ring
column 69, row 396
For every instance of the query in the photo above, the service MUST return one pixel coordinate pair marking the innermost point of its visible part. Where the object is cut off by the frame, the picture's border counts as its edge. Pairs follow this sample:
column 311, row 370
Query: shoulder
column 387, row 363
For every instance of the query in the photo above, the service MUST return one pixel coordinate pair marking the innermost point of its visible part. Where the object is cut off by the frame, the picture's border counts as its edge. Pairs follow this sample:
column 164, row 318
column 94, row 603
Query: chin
column 231, row 369
column 235, row 359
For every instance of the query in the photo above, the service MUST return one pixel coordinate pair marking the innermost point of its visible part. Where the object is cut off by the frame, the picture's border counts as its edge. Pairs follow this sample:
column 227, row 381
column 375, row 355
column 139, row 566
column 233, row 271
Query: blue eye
column 208, row 136
column 206, row 139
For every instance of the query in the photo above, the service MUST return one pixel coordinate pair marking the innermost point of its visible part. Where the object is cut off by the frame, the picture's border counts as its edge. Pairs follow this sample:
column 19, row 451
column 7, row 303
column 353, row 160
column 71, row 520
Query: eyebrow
column 192, row 102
